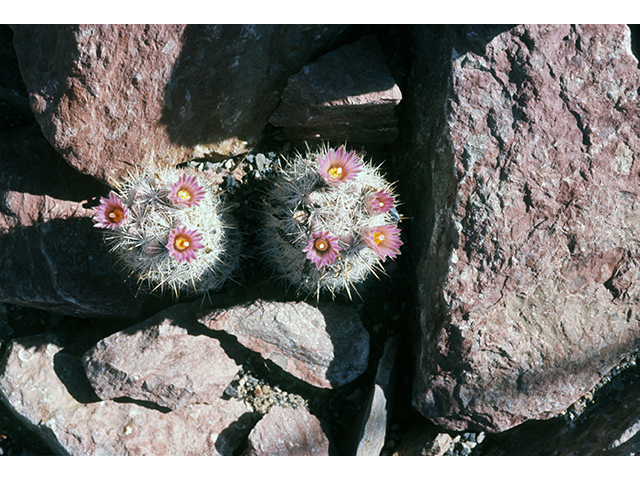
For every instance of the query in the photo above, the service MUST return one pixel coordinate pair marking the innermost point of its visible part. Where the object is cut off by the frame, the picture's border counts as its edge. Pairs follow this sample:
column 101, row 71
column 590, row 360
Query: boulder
column 522, row 180
column 346, row 95
column 36, row 383
column 288, row 432
column 114, row 97
column 325, row 346
column 161, row 360
column 53, row 259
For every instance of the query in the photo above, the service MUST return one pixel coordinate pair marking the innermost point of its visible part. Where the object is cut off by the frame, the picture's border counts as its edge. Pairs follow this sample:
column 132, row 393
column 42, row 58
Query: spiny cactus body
column 170, row 229
column 329, row 222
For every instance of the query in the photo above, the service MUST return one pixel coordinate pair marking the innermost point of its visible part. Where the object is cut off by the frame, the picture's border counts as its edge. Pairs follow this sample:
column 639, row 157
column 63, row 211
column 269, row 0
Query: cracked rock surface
column 529, row 275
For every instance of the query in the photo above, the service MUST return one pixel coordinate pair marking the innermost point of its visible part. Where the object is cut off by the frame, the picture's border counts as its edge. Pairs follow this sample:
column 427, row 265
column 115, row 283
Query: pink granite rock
column 288, row 432
column 325, row 346
column 526, row 241
column 113, row 97
column 347, row 94
column 160, row 361
column 30, row 386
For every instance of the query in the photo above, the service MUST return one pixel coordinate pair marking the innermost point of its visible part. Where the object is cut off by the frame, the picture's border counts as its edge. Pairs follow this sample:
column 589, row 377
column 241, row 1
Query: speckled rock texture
column 287, row 432
column 112, row 97
column 346, row 95
column 325, row 346
column 162, row 360
column 527, row 278
column 36, row 384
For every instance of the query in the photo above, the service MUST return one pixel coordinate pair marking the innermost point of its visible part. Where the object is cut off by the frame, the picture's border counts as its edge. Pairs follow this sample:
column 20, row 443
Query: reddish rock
column 112, row 97
column 347, row 94
column 31, row 387
column 325, row 346
column 609, row 426
column 159, row 360
column 288, row 432
column 526, row 243
column 53, row 259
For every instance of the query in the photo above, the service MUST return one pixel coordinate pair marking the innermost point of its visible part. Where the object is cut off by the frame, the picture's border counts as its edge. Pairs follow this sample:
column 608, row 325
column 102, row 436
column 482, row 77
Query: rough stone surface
column 36, row 384
column 161, row 361
column 110, row 97
column 379, row 409
column 55, row 261
column 325, row 346
column 610, row 427
column 527, row 276
column 347, row 94
column 287, row 432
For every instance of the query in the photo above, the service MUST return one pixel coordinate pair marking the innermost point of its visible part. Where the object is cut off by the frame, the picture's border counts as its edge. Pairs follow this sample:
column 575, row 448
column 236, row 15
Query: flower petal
column 183, row 244
column 339, row 166
column 322, row 249
column 384, row 240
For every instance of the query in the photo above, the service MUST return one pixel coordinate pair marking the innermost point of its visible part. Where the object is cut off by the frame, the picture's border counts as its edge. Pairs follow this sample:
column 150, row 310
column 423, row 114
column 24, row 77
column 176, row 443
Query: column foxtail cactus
column 170, row 228
column 330, row 221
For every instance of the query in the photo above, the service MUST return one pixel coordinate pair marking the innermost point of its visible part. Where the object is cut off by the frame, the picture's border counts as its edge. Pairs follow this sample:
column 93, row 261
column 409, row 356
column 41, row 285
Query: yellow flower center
column 181, row 242
column 335, row 172
column 116, row 215
column 378, row 237
column 320, row 244
column 184, row 195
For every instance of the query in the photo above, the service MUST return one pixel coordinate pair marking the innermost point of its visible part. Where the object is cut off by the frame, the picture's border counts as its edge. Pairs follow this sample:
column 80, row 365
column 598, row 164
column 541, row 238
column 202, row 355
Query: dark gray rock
column 347, row 94
column 524, row 194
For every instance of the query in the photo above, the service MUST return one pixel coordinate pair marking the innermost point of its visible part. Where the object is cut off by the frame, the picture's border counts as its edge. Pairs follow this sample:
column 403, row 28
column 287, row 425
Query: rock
column 161, row 361
column 31, row 386
column 325, row 346
column 526, row 240
column 347, row 94
column 379, row 405
column 60, row 265
column 14, row 105
column 609, row 426
column 110, row 97
column 287, row 432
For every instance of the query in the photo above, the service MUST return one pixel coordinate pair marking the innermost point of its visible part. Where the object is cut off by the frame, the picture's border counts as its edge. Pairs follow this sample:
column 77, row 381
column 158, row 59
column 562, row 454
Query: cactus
column 329, row 222
column 170, row 230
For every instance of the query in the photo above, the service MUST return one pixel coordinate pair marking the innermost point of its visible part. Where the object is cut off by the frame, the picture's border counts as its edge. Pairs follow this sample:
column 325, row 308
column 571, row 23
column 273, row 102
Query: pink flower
column 186, row 191
column 322, row 249
column 384, row 240
column 183, row 244
column 111, row 212
column 380, row 202
column 339, row 166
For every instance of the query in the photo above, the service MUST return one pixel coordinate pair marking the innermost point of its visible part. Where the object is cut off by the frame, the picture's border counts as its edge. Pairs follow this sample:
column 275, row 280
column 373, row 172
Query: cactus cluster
column 329, row 221
column 170, row 228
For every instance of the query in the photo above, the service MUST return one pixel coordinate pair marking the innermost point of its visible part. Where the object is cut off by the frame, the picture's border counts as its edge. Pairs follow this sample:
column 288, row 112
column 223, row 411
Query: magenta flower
column 322, row 249
column 339, row 165
column 111, row 212
column 384, row 240
column 379, row 202
column 183, row 244
column 186, row 191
